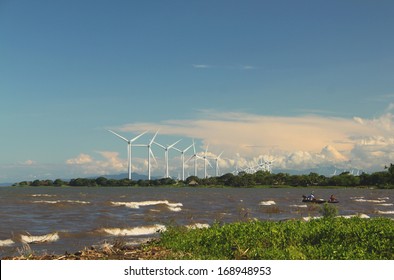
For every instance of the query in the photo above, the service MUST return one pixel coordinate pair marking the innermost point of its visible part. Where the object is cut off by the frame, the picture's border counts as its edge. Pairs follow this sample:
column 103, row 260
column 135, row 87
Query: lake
column 56, row 220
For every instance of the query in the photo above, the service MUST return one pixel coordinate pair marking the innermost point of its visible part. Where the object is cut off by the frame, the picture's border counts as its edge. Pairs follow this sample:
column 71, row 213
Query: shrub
column 328, row 210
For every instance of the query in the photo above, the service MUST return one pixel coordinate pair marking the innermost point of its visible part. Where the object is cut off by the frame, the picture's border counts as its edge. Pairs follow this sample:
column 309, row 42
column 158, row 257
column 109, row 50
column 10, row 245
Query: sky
column 305, row 84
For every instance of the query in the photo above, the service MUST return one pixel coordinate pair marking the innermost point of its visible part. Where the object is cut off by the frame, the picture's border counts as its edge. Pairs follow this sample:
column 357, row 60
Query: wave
column 299, row 205
column 386, row 204
column 176, row 207
column 6, row 242
column 363, row 216
column 370, row 200
column 136, row 231
column 62, row 201
column 385, row 212
column 267, row 203
column 197, row 225
column 51, row 237
column 43, row 195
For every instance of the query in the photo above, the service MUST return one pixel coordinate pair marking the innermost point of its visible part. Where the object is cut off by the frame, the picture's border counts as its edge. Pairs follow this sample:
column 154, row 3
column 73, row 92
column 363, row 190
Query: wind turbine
column 217, row 164
column 166, row 149
column 129, row 142
column 183, row 159
column 195, row 156
column 150, row 153
column 205, row 163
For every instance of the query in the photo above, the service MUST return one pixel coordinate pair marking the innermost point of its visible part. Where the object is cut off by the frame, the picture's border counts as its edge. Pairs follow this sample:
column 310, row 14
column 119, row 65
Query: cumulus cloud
column 80, row 159
column 295, row 142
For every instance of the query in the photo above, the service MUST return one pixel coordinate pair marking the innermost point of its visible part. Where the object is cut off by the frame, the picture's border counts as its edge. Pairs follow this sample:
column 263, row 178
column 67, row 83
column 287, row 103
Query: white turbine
column 129, row 144
column 166, row 149
column 205, row 162
column 150, row 153
column 195, row 156
column 217, row 164
column 183, row 159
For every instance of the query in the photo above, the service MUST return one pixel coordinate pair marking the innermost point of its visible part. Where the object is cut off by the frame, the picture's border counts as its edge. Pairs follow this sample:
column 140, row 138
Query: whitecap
column 77, row 201
column 51, row 237
column 299, row 205
column 386, row 204
column 6, row 242
column 61, row 201
column 197, row 225
column 310, row 218
column 136, row 231
column 363, row 216
column 267, row 203
column 43, row 195
column 136, row 205
column 385, row 212
column 46, row 201
column 370, row 200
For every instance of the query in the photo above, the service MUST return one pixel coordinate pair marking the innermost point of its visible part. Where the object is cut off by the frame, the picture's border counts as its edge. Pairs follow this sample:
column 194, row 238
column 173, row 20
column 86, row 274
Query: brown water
column 55, row 220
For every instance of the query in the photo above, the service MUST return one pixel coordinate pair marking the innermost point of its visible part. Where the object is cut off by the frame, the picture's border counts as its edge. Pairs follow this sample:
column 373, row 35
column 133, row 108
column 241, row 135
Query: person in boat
column 311, row 197
column 332, row 198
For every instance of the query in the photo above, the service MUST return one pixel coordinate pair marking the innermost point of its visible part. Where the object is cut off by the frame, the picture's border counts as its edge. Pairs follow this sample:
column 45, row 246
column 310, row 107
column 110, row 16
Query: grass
column 322, row 239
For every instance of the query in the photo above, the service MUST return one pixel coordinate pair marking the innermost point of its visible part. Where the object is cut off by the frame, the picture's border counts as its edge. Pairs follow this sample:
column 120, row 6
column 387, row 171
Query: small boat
column 318, row 201
column 333, row 201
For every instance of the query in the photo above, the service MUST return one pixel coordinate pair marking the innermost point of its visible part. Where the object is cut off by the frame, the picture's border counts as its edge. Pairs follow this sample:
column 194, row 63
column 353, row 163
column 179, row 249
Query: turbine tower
column 129, row 144
column 166, row 149
column 150, row 153
column 205, row 163
column 183, row 159
column 217, row 164
column 195, row 156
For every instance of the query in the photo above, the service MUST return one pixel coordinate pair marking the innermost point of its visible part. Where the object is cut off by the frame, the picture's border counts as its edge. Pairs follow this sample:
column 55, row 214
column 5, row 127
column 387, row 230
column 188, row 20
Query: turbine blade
column 188, row 148
column 153, row 139
column 153, row 156
column 160, row 145
column 120, row 136
column 190, row 158
column 173, row 144
column 135, row 138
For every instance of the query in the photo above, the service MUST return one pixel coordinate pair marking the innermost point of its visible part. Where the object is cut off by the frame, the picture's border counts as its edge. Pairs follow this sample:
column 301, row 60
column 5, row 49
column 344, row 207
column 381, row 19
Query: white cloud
column 202, row 66
column 80, row 159
column 295, row 142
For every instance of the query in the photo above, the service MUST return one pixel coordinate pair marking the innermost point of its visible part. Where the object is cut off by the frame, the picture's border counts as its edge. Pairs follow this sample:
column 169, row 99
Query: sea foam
column 62, row 201
column 370, row 200
column 385, row 212
column 197, row 225
column 267, row 203
column 6, row 242
column 51, row 237
column 176, row 207
column 136, row 231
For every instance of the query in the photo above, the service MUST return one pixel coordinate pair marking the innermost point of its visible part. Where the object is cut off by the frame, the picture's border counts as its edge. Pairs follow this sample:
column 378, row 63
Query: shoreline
column 115, row 251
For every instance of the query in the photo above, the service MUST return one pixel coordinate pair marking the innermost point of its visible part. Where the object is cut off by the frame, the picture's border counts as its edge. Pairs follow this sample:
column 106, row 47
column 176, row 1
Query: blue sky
column 308, row 83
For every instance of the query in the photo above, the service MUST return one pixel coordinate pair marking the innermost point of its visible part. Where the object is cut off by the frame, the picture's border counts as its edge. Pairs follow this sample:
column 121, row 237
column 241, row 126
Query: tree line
column 382, row 179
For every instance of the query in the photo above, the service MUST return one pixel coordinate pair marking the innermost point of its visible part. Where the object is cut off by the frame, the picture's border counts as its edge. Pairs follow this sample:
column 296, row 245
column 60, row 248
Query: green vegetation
column 383, row 179
column 322, row 239
column 328, row 210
